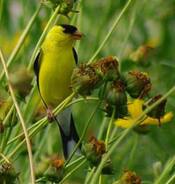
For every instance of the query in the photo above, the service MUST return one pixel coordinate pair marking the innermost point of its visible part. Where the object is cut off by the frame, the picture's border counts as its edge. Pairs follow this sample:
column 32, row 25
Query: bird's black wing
column 75, row 55
column 36, row 68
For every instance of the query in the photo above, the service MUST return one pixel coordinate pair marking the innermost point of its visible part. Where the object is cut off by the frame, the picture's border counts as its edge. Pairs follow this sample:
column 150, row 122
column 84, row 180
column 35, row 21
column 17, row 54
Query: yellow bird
column 53, row 68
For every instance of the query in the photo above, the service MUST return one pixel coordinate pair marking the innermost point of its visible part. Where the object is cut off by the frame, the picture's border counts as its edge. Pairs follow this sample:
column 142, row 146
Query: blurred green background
column 147, row 24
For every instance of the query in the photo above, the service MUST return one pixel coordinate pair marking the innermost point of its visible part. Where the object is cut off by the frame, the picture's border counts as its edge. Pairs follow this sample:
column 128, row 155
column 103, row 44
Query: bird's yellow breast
column 55, row 75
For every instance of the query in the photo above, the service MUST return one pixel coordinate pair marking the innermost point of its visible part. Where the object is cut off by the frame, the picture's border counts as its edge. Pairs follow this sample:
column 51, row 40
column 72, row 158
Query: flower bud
column 84, row 80
column 115, row 93
column 107, row 68
column 94, row 150
column 51, row 3
column 129, row 177
column 138, row 84
column 65, row 5
column 158, row 111
column 115, row 97
column 21, row 81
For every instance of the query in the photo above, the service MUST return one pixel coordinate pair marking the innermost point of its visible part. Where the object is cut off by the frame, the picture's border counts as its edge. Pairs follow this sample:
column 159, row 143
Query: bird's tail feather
column 69, row 137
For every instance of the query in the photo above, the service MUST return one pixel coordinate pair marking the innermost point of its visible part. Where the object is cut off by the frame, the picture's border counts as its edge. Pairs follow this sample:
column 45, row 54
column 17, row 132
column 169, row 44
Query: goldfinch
column 53, row 67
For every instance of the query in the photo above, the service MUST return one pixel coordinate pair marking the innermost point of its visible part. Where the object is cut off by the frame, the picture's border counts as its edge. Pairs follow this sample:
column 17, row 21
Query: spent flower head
column 107, row 68
column 159, row 111
column 138, row 84
column 129, row 177
column 94, row 150
column 84, row 80
column 8, row 174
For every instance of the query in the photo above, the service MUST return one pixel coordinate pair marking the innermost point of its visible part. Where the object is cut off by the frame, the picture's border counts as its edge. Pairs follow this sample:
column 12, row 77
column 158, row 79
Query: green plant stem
column 40, row 124
column 35, row 52
column 166, row 172
column 29, row 129
column 82, row 99
column 41, row 143
column 83, row 134
column 6, row 138
column 75, row 161
column 29, row 149
column 110, row 31
column 89, row 175
column 72, row 171
column 102, row 128
column 100, row 179
column 8, row 115
column 79, row 21
column 133, row 151
column 125, row 132
column 114, row 139
column 21, row 39
column 130, row 27
column 109, row 128
column 171, row 180
column 5, row 158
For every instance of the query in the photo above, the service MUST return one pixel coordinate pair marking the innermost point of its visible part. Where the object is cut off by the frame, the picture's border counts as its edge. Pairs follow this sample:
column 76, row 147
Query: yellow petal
column 124, row 123
column 153, row 121
column 135, row 108
column 167, row 117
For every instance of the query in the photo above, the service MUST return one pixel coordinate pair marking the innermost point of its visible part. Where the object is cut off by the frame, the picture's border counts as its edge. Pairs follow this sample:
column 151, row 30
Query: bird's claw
column 50, row 115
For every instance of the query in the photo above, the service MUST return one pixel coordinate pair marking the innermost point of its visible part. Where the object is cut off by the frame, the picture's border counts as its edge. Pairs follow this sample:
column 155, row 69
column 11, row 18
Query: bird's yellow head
column 63, row 35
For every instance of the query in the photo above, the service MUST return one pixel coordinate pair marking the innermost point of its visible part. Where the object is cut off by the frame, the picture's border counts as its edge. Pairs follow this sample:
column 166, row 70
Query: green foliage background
column 144, row 22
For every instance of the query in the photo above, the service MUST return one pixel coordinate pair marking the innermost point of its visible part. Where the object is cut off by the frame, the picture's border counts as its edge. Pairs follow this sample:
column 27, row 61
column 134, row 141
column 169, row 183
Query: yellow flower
column 135, row 110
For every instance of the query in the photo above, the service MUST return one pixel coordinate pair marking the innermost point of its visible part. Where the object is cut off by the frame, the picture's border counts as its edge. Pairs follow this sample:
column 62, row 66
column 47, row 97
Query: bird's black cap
column 69, row 28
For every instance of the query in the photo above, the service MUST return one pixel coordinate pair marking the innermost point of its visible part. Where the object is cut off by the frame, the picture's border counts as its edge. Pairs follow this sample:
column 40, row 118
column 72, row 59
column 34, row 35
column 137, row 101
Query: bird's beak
column 77, row 35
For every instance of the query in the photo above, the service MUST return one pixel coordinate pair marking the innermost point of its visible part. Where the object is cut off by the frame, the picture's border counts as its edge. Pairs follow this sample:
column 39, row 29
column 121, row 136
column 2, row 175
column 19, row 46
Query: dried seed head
column 98, row 146
column 138, row 84
column 84, row 80
column 7, row 173
column 159, row 110
column 130, row 177
column 107, row 68
column 94, row 150
column 57, row 163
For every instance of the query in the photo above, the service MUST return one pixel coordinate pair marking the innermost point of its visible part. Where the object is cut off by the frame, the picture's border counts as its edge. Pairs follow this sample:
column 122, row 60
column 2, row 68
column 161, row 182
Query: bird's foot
column 50, row 115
